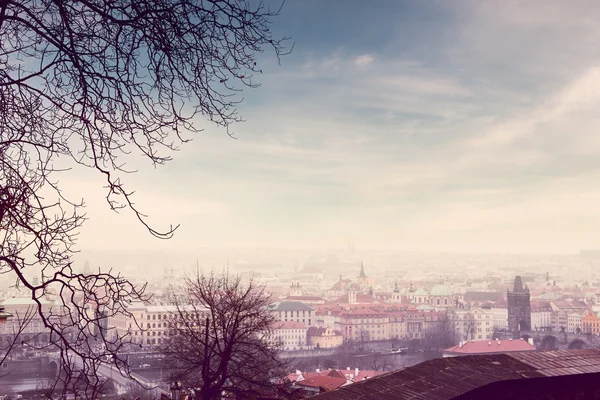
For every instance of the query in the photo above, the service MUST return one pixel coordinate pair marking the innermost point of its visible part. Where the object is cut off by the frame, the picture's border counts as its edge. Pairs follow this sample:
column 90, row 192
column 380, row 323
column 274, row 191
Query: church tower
column 519, row 308
column 295, row 289
column 86, row 270
column 351, row 294
column 396, row 297
column 362, row 280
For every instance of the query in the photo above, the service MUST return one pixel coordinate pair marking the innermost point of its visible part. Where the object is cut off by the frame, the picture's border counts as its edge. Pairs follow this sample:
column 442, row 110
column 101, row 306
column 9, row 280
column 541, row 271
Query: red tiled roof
column 367, row 374
column 326, row 383
column 491, row 346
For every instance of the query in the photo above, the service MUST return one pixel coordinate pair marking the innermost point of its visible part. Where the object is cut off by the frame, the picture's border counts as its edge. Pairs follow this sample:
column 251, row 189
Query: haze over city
column 341, row 199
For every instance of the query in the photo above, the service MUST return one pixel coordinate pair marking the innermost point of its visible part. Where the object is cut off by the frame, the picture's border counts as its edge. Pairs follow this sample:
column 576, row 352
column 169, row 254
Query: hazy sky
column 425, row 125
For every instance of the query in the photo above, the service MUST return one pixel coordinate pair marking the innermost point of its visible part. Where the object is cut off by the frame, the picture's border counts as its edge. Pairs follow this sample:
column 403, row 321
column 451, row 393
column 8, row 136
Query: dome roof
column 420, row 292
column 441, row 290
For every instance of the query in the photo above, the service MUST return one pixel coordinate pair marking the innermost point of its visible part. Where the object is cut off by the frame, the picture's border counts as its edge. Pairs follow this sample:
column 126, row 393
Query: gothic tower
column 362, row 280
column 519, row 309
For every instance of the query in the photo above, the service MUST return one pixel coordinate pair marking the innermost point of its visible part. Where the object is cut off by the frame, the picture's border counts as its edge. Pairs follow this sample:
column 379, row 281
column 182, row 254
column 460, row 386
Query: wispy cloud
column 480, row 133
column 364, row 60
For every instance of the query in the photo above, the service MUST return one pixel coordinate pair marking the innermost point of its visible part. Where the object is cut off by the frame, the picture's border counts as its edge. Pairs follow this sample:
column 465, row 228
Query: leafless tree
column 221, row 338
column 469, row 326
column 90, row 84
column 441, row 334
column 13, row 338
column 381, row 363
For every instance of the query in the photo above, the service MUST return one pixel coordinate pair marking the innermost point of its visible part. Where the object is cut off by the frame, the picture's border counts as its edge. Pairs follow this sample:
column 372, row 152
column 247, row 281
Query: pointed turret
column 362, row 271
column 86, row 269
column 518, row 285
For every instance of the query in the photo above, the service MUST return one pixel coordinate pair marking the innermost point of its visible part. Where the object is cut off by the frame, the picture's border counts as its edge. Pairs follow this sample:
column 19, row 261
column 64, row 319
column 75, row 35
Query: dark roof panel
column 447, row 378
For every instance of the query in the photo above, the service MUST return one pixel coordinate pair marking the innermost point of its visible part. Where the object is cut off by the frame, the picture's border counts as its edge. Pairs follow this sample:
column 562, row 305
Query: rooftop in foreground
column 460, row 377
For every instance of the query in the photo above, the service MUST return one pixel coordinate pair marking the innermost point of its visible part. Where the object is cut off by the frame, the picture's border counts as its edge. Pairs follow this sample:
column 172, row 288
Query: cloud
column 363, row 60
column 485, row 139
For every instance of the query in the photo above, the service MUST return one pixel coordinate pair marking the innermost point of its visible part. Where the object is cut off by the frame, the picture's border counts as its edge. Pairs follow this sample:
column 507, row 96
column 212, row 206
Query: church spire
column 362, row 271
column 518, row 285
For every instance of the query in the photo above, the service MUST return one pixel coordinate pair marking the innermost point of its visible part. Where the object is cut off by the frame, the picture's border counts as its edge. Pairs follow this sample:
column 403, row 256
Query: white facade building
column 473, row 324
column 147, row 324
column 290, row 335
column 24, row 311
column 499, row 317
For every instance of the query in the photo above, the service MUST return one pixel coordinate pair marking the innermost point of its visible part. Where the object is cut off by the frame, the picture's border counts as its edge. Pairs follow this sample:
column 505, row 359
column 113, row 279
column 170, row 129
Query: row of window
column 170, row 316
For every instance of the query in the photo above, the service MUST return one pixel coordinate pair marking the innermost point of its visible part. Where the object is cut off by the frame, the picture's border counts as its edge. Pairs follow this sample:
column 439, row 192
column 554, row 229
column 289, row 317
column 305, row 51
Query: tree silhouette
column 89, row 85
column 221, row 339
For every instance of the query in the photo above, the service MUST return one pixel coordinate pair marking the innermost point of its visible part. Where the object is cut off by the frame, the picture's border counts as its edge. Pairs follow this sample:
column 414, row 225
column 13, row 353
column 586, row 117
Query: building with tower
column 352, row 294
column 519, row 308
column 396, row 295
column 441, row 297
column 295, row 289
column 362, row 281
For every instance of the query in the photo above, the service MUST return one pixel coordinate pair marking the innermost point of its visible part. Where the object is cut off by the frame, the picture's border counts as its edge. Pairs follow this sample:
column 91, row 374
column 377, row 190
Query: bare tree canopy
column 441, row 334
column 90, row 83
column 221, row 339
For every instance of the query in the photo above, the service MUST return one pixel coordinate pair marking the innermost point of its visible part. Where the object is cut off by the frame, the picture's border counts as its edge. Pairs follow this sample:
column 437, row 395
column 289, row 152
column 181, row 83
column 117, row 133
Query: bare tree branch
column 87, row 85
column 221, row 339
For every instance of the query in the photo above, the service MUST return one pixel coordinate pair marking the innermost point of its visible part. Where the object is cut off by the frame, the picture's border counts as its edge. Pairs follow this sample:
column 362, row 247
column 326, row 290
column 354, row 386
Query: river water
column 11, row 385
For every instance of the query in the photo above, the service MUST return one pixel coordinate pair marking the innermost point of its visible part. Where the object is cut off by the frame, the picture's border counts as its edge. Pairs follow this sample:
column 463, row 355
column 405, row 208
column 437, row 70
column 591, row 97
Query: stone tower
column 519, row 308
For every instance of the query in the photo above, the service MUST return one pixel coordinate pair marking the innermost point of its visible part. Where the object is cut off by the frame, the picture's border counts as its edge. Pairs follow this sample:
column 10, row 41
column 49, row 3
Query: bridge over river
column 110, row 371
column 557, row 340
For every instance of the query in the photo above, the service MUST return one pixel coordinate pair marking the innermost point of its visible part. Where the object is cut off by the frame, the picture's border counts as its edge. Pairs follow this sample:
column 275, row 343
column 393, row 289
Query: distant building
column 420, row 296
column 364, row 325
column 482, row 297
column 149, row 325
column 541, row 316
column 339, row 288
column 290, row 335
column 295, row 289
column 519, row 308
column 362, row 281
column 4, row 315
column 591, row 323
column 324, row 338
column 25, row 311
column 293, row 311
column 441, row 297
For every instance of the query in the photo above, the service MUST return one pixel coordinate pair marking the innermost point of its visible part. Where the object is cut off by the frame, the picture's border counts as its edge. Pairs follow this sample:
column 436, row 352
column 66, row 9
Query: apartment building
column 295, row 311
column 149, row 324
